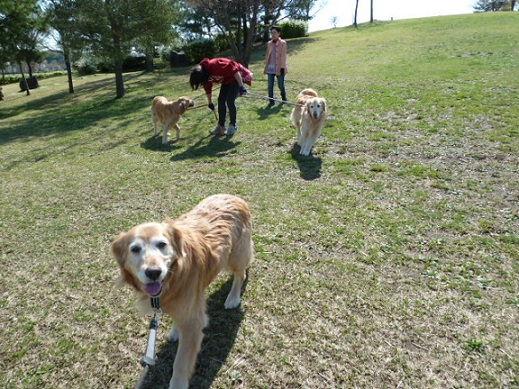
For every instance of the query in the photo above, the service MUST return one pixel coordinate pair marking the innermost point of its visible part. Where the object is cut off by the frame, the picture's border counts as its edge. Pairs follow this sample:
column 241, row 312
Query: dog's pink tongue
column 153, row 289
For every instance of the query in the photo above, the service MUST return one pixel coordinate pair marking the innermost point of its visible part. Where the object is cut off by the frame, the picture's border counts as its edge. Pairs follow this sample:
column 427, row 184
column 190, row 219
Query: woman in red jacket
column 232, row 75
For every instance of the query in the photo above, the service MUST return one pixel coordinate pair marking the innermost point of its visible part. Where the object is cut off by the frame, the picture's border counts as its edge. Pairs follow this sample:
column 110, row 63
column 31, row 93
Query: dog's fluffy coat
column 178, row 259
column 168, row 113
column 308, row 117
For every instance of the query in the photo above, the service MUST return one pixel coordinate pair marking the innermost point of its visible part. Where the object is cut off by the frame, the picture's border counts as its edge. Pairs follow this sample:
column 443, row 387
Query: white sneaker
column 232, row 129
column 219, row 130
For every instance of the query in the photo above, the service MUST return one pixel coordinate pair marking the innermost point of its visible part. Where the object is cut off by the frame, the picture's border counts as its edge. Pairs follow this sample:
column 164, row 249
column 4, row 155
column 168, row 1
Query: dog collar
column 155, row 303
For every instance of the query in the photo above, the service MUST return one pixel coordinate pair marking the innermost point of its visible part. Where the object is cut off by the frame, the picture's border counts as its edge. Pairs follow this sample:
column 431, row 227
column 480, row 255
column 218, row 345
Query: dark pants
column 281, row 86
column 227, row 99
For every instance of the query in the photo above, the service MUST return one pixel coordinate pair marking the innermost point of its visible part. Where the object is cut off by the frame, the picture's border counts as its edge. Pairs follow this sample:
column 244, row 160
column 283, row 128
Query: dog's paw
column 232, row 302
column 172, row 335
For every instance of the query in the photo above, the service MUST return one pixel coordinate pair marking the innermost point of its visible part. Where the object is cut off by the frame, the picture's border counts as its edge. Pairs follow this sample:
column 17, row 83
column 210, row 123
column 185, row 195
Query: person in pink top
column 276, row 64
column 232, row 75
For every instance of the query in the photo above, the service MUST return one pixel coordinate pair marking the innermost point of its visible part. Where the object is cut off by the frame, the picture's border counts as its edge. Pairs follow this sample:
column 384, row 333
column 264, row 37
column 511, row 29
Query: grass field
column 387, row 259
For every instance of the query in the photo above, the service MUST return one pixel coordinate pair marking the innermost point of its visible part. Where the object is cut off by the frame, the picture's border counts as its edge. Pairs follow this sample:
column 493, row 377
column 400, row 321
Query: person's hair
column 199, row 76
column 275, row 28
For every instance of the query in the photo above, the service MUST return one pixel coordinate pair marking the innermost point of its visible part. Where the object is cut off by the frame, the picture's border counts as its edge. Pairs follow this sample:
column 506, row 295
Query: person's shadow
column 216, row 147
column 219, row 338
column 309, row 166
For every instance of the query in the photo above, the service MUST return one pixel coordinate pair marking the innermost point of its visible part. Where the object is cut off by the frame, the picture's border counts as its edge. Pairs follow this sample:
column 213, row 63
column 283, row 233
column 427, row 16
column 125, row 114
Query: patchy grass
column 389, row 258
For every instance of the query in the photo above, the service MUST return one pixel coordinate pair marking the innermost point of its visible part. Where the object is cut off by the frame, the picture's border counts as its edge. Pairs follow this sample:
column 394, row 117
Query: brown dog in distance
column 168, row 113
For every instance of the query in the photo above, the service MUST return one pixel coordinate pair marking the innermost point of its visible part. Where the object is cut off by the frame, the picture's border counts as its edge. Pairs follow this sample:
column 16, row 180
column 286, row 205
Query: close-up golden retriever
column 308, row 117
column 177, row 259
column 168, row 113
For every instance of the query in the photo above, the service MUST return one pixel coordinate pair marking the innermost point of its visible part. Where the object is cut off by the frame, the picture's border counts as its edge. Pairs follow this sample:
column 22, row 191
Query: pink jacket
column 281, row 55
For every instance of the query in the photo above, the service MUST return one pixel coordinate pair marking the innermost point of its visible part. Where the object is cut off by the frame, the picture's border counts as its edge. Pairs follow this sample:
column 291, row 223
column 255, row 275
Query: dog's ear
column 120, row 251
column 182, row 105
column 175, row 238
column 324, row 105
column 119, row 248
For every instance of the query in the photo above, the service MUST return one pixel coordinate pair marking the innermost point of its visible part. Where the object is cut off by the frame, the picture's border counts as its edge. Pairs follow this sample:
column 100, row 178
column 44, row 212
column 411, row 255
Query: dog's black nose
column 153, row 273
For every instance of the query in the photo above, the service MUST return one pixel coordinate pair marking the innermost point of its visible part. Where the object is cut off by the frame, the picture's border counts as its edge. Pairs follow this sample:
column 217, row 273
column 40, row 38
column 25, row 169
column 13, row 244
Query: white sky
column 344, row 10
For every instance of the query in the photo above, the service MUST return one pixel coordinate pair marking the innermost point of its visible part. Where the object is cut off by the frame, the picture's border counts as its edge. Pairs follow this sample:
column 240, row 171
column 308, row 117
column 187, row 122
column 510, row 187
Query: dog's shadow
column 219, row 338
column 309, row 166
column 154, row 143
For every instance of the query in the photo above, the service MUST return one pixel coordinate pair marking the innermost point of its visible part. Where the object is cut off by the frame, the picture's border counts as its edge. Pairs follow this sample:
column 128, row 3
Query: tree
column 110, row 28
column 489, row 5
column 242, row 22
column 303, row 9
column 156, row 27
column 237, row 20
column 61, row 15
column 356, row 10
column 21, row 26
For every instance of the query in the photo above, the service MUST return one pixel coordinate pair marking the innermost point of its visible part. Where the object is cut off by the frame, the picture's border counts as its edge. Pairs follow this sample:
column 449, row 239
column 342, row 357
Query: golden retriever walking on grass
column 168, row 113
column 177, row 259
column 308, row 118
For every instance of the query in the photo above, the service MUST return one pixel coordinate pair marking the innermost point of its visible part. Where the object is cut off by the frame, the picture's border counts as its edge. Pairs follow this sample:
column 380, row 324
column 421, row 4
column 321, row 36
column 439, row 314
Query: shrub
column 221, row 42
column 200, row 49
column 86, row 66
column 133, row 64
column 292, row 29
column 9, row 79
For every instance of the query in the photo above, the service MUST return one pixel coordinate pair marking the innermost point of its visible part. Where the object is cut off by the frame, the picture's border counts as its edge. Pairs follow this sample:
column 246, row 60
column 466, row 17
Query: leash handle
column 149, row 358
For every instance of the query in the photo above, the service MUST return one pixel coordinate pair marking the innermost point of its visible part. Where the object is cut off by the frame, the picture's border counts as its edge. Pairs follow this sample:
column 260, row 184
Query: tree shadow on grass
column 219, row 338
column 309, row 166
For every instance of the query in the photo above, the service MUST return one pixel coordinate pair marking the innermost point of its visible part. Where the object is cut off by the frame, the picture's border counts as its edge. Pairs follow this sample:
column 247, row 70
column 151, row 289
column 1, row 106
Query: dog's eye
column 135, row 249
column 161, row 244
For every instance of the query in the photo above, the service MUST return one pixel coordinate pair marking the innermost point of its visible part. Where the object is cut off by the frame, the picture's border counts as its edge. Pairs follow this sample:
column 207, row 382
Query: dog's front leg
column 178, row 131
column 304, row 142
column 190, row 339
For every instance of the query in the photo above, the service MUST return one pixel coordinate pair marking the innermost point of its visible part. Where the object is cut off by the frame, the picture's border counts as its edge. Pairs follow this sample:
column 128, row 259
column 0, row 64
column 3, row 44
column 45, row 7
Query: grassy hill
column 387, row 259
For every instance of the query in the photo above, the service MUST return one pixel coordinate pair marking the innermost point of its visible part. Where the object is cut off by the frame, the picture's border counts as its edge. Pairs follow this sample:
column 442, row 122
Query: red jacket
column 222, row 71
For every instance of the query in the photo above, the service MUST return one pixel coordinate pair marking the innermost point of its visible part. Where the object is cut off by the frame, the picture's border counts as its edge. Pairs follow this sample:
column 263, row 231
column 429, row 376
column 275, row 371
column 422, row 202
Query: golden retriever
column 168, row 113
column 177, row 259
column 308, row 117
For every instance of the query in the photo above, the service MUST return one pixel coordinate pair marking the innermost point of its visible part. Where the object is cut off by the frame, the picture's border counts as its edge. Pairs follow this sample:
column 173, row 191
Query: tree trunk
column 356, row 9
column 149, row 60
column 24, row 80
column 371, row 16
column 118, row 62
column 119, row 82
column 29, row 67
column 69, row 72
column 249, row 43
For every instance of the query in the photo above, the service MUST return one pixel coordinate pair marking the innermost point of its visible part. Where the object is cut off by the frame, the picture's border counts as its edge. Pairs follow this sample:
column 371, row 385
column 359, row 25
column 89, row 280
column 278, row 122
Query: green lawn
column 387, row 259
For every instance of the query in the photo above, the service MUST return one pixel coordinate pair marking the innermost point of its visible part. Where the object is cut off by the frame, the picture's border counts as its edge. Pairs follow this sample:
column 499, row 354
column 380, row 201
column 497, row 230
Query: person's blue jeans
column 281, row 86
